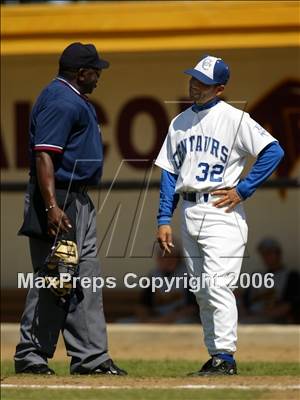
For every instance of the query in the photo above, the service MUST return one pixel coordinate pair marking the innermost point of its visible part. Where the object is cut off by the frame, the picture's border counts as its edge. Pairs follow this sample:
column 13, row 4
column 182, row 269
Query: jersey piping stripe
column 50, row 147
column 66, row 83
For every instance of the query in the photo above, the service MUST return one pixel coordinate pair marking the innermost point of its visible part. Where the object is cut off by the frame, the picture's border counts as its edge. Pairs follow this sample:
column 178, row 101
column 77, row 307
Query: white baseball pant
column 213, row 245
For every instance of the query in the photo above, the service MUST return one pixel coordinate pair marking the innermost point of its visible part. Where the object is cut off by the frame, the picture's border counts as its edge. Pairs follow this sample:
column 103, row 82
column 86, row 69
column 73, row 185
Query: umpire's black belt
column 195, row 197
column 77, row 187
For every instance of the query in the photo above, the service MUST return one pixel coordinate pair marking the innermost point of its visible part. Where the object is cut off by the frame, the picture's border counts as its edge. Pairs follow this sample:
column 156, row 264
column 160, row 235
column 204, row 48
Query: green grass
column 176, row 368
column 146, row 369
column 128, row 394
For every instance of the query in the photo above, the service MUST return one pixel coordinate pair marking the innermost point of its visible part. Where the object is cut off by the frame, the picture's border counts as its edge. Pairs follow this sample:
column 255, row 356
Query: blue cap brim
column 200, row 76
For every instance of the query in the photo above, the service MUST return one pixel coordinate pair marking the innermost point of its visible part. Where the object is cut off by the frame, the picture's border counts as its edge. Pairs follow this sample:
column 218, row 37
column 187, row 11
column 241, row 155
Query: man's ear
column 81, row 74
column 220, row 90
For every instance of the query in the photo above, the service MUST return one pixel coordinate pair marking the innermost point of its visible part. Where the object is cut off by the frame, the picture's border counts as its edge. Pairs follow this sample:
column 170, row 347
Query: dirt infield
column 268, row 387
column 151, row 342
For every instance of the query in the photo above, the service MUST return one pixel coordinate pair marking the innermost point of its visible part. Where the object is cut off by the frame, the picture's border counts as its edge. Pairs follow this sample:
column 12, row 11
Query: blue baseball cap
column 210, row 71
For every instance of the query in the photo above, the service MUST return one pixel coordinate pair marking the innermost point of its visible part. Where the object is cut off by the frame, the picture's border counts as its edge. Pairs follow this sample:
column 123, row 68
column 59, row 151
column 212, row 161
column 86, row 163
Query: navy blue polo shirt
column 64, row 122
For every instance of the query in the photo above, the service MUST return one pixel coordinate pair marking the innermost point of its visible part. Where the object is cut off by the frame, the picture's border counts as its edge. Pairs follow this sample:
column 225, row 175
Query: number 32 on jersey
column 213, row 173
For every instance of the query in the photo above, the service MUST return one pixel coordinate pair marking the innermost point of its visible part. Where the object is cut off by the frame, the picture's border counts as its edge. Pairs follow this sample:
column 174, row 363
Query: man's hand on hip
column 229, row 197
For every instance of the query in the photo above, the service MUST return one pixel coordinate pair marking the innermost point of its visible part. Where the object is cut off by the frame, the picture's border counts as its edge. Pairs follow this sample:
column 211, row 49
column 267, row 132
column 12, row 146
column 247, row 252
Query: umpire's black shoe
column 108, row 367
column 216, row 366
column 37, row 369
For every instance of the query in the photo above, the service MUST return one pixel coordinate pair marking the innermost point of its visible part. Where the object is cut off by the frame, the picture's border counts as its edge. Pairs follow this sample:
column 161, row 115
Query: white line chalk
column 110, row 387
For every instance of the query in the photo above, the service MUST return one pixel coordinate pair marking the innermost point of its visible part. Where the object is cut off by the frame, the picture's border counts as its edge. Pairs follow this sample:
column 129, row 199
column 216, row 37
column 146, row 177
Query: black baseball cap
column 78, row 55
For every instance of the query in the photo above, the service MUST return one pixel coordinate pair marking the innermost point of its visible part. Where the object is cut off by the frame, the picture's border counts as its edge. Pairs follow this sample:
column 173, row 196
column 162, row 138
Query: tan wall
column 158, row 76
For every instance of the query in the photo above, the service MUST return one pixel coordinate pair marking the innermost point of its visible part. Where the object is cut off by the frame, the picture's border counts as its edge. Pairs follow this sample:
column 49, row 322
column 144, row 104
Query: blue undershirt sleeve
column 267, row 161
column 168, row 199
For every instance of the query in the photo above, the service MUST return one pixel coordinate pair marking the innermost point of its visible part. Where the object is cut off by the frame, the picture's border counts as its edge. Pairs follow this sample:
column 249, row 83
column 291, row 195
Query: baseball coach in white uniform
column 202, row 159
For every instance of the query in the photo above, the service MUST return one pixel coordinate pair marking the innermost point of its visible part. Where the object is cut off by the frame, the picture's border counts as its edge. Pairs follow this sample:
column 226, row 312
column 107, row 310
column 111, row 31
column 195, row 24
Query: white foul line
column 105, row 387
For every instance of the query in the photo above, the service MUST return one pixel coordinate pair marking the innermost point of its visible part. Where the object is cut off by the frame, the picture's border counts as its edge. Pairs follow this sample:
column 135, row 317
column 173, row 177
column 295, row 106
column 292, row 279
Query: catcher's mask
column 61, row 267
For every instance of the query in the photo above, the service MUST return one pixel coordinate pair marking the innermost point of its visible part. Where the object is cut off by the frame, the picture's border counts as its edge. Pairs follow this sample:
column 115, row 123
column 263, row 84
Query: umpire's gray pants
column 84, row 329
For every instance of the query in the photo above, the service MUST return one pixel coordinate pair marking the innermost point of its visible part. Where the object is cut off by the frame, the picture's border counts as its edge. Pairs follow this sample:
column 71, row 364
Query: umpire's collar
column 200, row 107
column 65, row 82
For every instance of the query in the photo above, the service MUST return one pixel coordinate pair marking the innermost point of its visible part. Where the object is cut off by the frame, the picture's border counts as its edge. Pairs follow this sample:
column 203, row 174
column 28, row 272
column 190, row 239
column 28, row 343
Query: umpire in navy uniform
column 66, row 155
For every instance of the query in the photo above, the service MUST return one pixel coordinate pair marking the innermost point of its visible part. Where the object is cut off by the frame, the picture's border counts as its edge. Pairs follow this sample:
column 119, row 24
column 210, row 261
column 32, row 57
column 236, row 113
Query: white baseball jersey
column 208, row 149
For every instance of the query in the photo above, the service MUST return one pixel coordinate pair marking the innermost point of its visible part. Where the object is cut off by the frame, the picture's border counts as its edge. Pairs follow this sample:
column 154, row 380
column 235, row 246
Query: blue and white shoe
column 217, row 366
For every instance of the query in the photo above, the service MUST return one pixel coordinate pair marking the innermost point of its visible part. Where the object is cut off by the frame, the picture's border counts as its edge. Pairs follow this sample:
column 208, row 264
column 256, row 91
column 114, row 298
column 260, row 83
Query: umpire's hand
column 57, row 221
column 164, row 238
